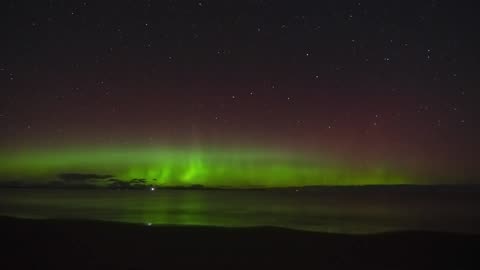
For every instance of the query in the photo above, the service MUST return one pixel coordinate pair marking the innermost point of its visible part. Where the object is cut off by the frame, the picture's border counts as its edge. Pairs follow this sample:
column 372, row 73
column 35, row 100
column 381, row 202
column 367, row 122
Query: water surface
column 341, row 210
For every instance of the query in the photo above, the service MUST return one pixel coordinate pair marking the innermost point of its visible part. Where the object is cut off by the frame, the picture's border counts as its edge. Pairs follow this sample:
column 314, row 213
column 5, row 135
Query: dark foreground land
column 55, row 244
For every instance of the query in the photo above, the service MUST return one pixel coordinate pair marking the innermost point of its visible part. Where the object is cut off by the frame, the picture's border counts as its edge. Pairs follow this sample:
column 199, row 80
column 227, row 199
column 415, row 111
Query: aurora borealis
column 239, row 133
column 252, row 93
column 177, row 167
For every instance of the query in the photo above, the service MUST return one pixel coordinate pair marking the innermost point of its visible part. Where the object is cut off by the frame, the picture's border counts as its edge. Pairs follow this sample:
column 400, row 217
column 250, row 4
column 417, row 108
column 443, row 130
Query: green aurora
column 183, row 167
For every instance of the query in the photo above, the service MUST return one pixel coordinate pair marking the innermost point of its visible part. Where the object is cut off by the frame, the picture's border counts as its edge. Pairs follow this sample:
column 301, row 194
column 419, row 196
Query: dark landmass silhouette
column 95, row 181
column 78, row 180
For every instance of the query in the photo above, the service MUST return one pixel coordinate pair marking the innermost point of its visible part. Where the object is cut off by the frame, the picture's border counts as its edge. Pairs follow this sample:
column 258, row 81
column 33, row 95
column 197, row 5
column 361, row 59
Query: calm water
column 342, row 210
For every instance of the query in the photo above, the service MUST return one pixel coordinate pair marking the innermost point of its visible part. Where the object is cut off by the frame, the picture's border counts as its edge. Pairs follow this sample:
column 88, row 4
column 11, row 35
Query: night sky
column 241, row 92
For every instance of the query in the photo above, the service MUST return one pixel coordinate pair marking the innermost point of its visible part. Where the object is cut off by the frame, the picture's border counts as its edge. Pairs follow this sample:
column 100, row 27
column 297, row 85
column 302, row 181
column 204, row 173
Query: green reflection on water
column 339, row 211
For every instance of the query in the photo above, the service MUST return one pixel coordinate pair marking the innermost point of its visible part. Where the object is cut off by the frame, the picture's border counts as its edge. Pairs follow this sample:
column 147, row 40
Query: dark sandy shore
column 67, row 244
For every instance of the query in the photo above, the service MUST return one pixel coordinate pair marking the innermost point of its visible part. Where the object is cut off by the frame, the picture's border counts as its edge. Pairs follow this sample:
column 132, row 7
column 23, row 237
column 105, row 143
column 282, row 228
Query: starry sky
column 358, row 84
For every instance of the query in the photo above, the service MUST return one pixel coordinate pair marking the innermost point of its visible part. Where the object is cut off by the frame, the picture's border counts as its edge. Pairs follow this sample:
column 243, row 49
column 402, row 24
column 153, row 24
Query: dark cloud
column 138, row 181
column 117, row 183
column 81, row 177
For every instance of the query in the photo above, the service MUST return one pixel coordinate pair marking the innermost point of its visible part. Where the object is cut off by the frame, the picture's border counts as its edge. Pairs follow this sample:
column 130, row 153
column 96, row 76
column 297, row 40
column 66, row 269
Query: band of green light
column 177, row 167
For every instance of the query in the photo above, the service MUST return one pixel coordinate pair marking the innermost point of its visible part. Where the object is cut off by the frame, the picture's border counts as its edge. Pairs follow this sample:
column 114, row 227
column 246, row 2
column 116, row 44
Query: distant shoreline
column 444, row 187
